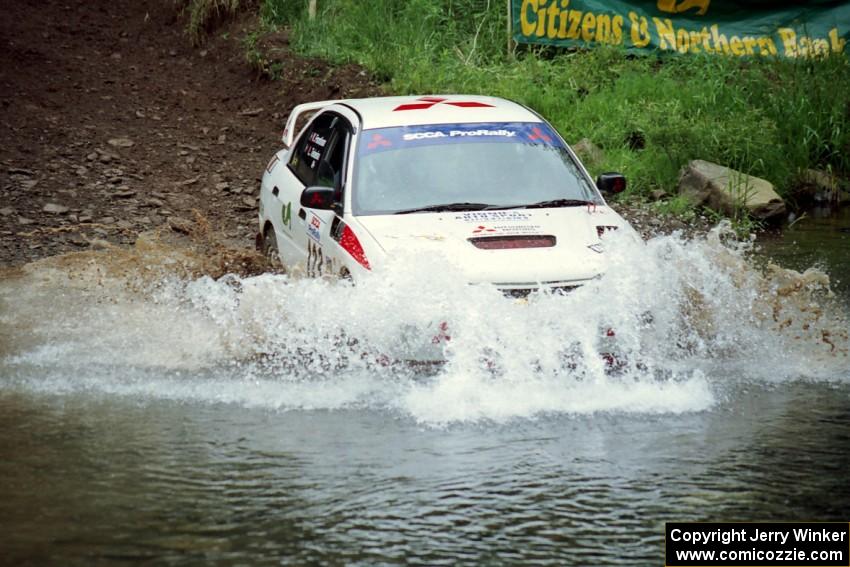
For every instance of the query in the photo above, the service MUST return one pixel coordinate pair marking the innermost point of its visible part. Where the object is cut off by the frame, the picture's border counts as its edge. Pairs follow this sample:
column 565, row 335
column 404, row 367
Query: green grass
column 651, row 114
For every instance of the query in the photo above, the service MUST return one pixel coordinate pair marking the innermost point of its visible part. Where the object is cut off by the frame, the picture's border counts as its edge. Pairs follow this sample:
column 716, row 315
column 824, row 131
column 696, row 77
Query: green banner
column 754, row 28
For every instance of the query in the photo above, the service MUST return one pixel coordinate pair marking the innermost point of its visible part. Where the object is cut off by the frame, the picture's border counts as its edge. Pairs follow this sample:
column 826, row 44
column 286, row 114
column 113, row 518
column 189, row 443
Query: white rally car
column 488, row 180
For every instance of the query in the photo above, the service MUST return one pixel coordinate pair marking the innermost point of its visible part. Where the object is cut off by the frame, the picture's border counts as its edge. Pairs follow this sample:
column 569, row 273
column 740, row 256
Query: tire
column 271, row 252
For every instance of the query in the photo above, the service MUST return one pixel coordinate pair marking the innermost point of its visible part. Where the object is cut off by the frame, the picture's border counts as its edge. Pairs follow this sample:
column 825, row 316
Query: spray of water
column 689, row 317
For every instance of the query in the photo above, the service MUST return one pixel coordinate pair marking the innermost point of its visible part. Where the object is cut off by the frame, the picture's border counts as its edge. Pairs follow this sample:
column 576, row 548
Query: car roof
column 384, row 112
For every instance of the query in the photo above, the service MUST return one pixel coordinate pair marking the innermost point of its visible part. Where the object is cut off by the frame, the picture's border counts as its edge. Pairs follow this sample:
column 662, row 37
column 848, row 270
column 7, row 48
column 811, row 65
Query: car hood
column 570, row 259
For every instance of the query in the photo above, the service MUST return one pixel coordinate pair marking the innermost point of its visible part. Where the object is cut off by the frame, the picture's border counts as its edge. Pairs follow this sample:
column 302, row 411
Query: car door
column 323, row 257
column 289, row 218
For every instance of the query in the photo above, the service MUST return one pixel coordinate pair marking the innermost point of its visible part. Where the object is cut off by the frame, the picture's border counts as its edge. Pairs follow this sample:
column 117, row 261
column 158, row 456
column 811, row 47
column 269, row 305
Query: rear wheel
column 271, row 252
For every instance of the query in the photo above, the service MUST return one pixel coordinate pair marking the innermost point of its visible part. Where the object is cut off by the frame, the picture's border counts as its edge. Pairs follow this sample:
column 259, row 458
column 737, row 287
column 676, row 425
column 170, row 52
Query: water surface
column 256, row 421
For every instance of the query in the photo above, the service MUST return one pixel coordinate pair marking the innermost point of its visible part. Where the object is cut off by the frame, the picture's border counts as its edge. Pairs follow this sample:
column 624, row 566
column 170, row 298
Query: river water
column 151, row 418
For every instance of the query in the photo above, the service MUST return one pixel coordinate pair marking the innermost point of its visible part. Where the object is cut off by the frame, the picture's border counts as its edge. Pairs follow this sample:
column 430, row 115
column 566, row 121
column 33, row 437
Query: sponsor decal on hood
column 493, row 216
column 507, row 229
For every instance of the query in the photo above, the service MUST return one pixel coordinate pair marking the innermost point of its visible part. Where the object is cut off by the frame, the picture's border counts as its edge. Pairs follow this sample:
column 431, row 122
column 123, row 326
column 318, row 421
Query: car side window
column 310, row 149
column 331, row 169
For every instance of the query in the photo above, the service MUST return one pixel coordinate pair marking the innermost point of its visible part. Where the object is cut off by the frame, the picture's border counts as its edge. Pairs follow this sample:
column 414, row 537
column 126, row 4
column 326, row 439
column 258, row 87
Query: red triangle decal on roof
column 414, row 106
column 471, row 104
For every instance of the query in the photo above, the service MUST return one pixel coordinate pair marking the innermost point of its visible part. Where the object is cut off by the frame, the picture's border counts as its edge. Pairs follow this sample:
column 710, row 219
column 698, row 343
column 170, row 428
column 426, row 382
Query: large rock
column 726, row 190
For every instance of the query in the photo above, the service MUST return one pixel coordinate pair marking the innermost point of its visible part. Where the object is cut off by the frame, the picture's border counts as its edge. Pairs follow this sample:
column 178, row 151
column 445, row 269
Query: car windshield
column 465, row 167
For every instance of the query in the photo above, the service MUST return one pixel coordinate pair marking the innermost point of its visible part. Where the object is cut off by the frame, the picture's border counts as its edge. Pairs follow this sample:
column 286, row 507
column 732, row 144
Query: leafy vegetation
column 651, row 114
column 259, row 58
column 204, row 14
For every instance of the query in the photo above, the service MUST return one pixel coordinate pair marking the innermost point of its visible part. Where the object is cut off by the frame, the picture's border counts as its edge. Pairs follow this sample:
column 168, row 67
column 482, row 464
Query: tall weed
column 204, row 14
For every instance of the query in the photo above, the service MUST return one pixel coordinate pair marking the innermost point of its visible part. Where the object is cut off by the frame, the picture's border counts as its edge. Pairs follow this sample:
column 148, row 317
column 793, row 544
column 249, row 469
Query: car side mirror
column 611, row 183
column 317, row 197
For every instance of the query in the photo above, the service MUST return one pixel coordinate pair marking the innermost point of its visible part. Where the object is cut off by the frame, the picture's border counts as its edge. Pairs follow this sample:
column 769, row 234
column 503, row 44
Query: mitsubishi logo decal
column 378, row 140
column 537, row 134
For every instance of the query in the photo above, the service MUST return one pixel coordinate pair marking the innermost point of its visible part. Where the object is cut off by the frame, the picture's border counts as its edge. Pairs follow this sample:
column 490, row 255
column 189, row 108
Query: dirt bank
column 112, row 123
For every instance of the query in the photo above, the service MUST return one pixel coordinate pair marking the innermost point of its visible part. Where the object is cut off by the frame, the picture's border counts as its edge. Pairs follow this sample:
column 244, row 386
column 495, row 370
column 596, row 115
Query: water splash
column 689, row 317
